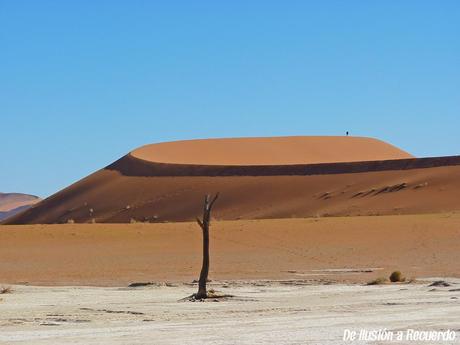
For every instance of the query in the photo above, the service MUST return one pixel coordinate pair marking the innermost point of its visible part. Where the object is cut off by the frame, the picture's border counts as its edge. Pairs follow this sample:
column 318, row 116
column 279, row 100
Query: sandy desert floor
column 262, row 312
column 345, row 249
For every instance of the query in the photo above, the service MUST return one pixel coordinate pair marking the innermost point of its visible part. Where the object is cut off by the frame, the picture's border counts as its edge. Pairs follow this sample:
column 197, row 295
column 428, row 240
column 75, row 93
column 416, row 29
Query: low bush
column 396, row 277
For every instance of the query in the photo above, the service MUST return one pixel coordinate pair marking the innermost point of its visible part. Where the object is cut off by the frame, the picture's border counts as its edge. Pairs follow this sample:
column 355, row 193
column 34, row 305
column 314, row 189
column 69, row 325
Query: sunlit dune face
column 270, row 151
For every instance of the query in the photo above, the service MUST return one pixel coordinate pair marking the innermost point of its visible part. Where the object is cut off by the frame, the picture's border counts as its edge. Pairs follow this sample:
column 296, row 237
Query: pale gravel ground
column 261, row 313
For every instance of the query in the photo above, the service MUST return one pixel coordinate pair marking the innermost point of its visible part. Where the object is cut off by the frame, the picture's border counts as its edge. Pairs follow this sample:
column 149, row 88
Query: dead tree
column 204, row 224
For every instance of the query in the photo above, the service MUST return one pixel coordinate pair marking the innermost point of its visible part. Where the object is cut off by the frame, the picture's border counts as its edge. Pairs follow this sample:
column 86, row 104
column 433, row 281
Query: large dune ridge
column 139, row 188
column 270, row 151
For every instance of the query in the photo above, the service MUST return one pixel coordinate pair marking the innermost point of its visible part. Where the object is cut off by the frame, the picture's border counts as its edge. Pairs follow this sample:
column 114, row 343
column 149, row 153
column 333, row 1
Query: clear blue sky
column 84, row 82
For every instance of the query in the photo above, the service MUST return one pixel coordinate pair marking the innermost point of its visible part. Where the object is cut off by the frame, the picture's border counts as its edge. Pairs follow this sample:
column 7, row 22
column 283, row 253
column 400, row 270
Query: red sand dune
column 150, row 185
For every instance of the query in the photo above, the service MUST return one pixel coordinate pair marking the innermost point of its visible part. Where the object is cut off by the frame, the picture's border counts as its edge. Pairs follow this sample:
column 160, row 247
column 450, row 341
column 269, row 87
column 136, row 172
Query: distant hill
column 13, row 203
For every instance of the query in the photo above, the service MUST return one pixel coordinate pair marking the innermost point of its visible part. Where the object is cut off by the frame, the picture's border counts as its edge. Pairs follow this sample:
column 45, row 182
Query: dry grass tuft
column 378, row 281
column 5, row 289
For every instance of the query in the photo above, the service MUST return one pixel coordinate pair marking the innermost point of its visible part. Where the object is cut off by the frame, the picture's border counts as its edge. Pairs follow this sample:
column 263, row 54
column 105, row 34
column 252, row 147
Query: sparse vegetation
column 440, row 283
column 140, row 284
column 5, row 289
column 378, row 281
column 396, row 277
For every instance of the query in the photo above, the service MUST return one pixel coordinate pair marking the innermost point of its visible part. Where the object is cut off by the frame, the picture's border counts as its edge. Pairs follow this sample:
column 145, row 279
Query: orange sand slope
column 314, row 248
column 270, row 151
column 108, row 196
column 133, row 189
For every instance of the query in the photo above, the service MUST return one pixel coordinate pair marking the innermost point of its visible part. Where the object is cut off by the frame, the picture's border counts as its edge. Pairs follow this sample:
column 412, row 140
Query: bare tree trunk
column 204, row 224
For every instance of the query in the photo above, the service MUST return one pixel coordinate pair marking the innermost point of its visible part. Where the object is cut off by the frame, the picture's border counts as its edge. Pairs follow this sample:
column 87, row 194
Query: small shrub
column 378, row 281
column 5, row 289
column 396, row 277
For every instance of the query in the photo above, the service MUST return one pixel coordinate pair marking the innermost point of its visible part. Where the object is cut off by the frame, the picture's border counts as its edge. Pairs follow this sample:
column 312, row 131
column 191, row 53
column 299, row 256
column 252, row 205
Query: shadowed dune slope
column 270, row 151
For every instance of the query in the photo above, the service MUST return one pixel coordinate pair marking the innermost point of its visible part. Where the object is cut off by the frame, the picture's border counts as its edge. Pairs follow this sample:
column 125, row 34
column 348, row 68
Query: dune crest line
column 133, row 166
